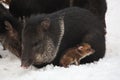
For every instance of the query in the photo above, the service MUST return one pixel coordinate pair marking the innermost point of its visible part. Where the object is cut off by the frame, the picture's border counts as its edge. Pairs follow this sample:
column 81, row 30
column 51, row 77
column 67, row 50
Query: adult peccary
column 45, row 38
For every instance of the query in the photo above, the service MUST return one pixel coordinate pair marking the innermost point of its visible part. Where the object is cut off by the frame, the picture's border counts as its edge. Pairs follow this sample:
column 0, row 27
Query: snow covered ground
column 107, row 68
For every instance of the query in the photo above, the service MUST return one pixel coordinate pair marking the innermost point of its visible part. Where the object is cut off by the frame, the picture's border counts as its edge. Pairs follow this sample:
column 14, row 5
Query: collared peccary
column 45, row 37
column 21, row 8
column 10, row 33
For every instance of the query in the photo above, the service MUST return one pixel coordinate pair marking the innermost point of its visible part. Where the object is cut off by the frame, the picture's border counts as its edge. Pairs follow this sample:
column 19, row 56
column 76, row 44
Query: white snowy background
column 107, row 68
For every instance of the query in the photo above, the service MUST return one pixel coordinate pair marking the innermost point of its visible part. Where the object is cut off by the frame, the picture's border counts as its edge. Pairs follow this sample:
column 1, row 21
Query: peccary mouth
column 26, row 63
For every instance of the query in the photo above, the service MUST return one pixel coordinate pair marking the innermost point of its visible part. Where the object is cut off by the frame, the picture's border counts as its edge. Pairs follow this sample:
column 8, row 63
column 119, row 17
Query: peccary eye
column 36, row 43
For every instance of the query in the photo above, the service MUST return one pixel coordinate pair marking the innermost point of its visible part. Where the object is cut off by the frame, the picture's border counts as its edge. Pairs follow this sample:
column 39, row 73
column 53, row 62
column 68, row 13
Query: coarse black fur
column 21, row 8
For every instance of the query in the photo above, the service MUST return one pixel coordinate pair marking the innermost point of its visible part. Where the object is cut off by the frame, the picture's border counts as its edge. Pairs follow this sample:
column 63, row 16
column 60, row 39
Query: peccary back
column 27, row 7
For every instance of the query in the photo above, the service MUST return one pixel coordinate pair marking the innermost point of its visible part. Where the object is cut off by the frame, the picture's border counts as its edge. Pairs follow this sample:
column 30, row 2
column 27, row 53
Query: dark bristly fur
column 21, row 8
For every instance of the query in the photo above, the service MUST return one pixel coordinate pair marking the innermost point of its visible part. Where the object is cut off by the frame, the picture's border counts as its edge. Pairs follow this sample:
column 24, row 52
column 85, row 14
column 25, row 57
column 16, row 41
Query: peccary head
column 10, row 34
column 38, row 41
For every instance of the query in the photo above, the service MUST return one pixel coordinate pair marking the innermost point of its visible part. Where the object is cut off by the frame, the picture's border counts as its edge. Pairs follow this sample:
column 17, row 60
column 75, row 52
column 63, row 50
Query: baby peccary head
column 85, row 50
column 74, row 55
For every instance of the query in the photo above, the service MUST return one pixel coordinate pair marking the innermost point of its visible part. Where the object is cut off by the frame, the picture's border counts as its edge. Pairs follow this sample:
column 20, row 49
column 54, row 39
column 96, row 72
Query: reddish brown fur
column 75, row 54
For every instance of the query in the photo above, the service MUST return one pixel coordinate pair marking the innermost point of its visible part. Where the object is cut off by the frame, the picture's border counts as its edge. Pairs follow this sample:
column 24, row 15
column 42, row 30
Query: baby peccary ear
column 45, row 23
column 80, row 47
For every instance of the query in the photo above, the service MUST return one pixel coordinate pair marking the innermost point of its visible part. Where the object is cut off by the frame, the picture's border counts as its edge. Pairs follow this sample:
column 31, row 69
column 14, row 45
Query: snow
column 105, row 69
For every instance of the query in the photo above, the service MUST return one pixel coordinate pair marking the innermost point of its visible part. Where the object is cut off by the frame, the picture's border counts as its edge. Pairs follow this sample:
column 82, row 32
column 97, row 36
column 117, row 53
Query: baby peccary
column 75, row 54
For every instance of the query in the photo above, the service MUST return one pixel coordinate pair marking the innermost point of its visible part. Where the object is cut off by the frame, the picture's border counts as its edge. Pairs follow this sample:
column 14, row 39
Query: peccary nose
column 26, row 64
column 24, row 67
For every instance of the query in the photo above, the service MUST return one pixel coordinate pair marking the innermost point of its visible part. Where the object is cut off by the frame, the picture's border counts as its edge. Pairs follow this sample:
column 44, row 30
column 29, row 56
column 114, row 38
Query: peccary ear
column 45, row 23
column 8, row 26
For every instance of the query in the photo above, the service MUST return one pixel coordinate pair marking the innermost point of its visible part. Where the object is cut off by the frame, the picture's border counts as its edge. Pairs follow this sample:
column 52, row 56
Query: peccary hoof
column 0, row 56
